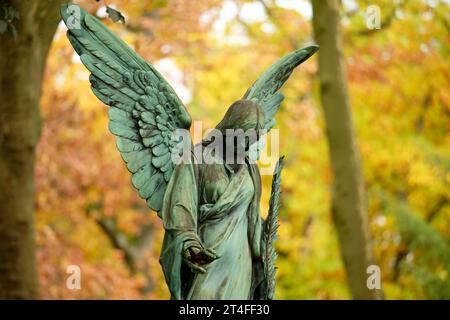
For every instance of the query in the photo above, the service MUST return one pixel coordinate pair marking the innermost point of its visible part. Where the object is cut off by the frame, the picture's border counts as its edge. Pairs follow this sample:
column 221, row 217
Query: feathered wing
column 144, row 110
column 265, row 90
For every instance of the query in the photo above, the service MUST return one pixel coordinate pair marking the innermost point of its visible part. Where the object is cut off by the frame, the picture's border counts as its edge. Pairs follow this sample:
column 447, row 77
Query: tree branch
column 401, row 254
column 386, row 22
column 134, row 251
column 273, row 17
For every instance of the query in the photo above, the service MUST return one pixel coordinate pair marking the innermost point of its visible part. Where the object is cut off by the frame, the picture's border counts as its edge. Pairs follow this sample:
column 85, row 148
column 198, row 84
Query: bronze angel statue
column 216, row 244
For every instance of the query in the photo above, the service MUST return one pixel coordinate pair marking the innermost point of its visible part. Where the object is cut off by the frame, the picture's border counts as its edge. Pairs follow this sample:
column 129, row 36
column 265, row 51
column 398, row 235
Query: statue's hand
column 196, row 257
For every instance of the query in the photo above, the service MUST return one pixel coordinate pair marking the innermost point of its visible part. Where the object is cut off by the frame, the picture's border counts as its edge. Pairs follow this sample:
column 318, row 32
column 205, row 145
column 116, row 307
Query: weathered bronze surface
column 216, row 244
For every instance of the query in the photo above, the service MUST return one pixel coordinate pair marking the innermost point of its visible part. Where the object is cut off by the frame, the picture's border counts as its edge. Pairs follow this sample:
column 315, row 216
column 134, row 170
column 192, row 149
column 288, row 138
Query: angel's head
column 243, row 124
column 245, row 115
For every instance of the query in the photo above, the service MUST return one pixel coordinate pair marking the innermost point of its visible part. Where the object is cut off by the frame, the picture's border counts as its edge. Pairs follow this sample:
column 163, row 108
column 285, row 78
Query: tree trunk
column 22, row 62
column 349, row 206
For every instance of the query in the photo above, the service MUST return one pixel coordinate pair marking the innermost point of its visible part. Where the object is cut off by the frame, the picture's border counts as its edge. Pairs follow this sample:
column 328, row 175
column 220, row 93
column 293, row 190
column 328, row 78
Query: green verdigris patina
column 216, row 245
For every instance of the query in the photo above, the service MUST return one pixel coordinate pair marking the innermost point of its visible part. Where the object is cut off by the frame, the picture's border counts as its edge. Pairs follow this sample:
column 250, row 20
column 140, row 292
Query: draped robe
column 215, row 207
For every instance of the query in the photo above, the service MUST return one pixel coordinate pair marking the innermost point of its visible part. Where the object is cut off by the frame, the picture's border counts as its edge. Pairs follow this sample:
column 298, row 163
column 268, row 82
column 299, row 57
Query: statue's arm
column 179, row 215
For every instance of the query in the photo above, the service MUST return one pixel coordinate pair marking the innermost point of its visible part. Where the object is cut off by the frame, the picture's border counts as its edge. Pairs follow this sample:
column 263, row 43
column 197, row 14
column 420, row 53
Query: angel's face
column 256, row 148
column 249, row 144
column 250, row 140
column 242, row 127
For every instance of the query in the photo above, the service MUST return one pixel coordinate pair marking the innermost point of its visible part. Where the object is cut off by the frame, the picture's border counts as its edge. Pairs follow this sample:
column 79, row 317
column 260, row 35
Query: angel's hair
column 243, row 114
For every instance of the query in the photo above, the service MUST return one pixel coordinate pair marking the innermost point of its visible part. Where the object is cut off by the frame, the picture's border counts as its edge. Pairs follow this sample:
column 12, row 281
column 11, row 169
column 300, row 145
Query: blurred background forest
column 87, row 213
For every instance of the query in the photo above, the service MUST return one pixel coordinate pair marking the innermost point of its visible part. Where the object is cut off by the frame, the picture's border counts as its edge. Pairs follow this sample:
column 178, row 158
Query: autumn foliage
column 88, row 214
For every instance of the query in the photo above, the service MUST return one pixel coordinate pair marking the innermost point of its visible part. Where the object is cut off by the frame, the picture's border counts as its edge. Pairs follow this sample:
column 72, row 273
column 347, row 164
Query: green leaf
column 3, row 26
column 13, row 30
column 115, row 15
column 11, row 13
column 7, row 16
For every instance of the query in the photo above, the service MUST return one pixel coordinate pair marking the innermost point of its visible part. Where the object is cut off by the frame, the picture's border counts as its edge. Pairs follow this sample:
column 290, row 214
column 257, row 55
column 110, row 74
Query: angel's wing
column 264, row 90
column 144, row 110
